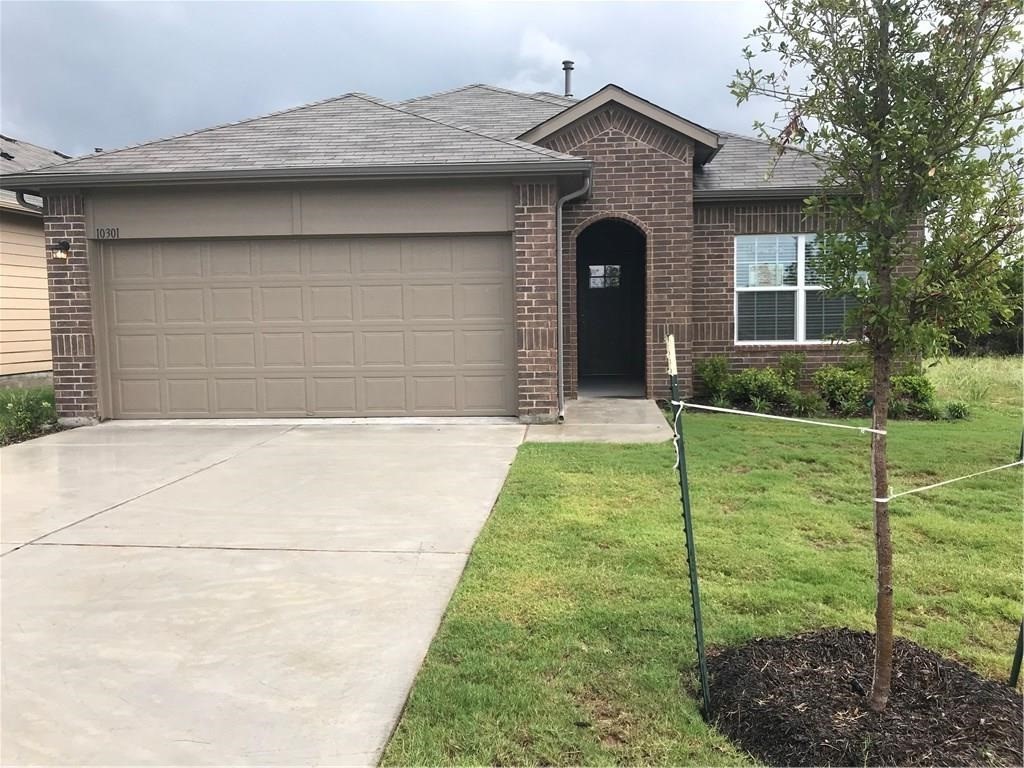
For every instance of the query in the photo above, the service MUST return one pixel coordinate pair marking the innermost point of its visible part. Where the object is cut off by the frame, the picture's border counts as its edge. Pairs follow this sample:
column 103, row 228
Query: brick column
column 71, row 319
column 536, row 304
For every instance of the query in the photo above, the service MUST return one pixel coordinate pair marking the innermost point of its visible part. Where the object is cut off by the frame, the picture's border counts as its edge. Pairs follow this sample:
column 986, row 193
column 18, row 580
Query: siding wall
column 24, row 310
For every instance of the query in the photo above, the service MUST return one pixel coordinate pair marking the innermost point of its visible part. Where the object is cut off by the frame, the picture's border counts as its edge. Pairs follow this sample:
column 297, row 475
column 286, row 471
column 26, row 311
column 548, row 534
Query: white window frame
column 800, row 289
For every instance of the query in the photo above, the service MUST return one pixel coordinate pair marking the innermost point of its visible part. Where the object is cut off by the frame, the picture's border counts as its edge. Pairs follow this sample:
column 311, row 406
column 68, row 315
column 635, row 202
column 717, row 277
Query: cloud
column 540, row 60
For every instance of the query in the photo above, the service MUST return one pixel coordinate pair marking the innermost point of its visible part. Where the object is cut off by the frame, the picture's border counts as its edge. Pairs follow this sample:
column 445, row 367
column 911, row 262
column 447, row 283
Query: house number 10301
column 108, row 233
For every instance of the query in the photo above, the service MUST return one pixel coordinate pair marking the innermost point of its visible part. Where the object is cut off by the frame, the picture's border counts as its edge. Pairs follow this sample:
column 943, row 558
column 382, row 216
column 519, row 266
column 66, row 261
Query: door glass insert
column 605, row 275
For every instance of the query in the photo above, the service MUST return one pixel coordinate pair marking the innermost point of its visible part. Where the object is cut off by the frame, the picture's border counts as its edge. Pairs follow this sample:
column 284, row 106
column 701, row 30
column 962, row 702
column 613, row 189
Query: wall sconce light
column 62, row 250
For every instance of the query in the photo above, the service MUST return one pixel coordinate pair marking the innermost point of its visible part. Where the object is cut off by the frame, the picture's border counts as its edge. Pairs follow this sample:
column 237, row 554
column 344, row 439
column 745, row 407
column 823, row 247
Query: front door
column 610, row 291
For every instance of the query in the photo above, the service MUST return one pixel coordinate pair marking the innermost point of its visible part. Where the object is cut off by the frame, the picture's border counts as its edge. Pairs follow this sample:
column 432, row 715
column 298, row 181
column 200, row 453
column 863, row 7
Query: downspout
column 26, row 204
column 559, row 300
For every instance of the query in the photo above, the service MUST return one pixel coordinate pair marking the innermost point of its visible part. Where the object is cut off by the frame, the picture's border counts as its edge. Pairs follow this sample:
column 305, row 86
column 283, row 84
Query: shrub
column 791, row 365
column 957, row 409
column 918, row 395
column 761, row 386
column 25, row 413
column 844, row 390
column 721, row 401
column 806, row 403
column 714, row 372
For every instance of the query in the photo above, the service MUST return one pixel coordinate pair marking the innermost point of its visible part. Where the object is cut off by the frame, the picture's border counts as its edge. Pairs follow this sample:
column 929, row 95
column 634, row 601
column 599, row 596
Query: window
column 605, row 275
column 779, row 296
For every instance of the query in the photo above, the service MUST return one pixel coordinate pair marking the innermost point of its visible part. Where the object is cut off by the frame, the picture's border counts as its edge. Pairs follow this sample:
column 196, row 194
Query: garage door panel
column 188, row 397
column 292, row 327
column 381, row 302
column 235, row 397
column 234, row 350
column 232, row 305
column 333, row 349
column 229, row 258
column 183, row 305
column 136, row 352
column 331, row 303
column 284, row 397
column 140, row 397
column 134, row 307
column 384, row 395
column 432, row 348
column 377, row 256
column 329, row 258
column 282, row 304
column 185, row 350
column 334, row 396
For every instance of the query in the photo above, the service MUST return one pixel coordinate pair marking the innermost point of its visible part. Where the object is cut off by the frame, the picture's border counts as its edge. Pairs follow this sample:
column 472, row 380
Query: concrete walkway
column 230, row 595
column 605, row 420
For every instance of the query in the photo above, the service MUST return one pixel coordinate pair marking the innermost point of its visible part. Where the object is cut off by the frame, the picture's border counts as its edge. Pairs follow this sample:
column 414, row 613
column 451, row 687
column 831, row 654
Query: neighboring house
column 24, row 317
column 356, row 257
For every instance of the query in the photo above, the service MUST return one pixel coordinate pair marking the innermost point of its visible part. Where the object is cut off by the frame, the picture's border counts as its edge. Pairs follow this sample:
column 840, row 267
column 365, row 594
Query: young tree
column 913, row 107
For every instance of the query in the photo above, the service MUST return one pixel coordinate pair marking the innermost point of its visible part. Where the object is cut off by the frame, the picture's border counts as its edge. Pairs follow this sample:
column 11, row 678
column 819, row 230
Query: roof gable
column 707, row 141
column 353, row 132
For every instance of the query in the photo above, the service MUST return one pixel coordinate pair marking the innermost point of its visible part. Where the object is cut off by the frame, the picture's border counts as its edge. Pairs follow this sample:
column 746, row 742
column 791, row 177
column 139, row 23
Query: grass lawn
column 569, row 639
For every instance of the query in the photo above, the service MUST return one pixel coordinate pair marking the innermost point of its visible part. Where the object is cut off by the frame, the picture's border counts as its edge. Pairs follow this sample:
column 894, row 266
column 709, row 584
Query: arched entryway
column 610, row 309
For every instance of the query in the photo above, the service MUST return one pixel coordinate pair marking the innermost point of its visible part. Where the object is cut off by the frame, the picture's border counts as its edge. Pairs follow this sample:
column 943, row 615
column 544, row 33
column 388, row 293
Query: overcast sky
column 79, row 75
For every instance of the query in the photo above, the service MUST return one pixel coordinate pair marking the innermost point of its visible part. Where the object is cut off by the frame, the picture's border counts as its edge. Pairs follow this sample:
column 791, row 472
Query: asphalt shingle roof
column 494, row 110
column 746, row 164
column 17, row 155
column 352, row 131
column 471, row 126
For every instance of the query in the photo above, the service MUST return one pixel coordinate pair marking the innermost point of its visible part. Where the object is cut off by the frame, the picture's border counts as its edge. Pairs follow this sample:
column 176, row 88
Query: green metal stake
column 1015, row 669
column 691, row 550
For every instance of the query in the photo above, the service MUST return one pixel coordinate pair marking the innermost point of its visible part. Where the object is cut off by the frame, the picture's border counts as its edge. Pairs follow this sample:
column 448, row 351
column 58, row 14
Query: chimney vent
column 567, row 67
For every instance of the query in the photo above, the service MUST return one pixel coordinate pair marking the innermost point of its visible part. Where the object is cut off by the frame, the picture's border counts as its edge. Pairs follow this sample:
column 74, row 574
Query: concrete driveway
column 230, row 594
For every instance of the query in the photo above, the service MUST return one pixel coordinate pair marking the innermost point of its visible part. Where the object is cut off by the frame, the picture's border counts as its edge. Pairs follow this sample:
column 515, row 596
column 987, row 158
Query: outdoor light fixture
column 63, row 249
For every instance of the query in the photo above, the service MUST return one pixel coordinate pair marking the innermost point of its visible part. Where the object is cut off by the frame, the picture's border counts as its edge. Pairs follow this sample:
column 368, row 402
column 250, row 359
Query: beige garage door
column 385, row 326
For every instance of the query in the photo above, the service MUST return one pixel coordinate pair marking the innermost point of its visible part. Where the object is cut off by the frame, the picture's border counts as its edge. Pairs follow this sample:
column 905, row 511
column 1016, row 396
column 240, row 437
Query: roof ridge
column 438, row 93
column 474, row 131
column 534, row 96
column 212, row 128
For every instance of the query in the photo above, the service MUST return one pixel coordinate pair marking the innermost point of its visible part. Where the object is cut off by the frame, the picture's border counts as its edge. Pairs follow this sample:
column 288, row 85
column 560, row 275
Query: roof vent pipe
column 567, row 67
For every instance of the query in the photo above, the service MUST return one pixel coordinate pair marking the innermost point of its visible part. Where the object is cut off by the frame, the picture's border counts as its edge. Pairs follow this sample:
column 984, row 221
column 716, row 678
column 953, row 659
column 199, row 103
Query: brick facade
column 536, row 308
column 642, row 174
column 715, row 227
column 71, row 315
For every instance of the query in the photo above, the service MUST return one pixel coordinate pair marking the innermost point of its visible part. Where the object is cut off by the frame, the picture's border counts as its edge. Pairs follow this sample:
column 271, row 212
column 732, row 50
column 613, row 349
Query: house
column 25, row 339
column 473, row 252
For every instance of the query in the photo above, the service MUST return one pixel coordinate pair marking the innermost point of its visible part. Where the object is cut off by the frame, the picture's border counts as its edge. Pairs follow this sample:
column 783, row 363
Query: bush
column 917, row 394
column 791, row 365
column 24, row 413
column 844, row 391
column 957, row 409
column 714, row 372
column 763, row 387
column 806, row 403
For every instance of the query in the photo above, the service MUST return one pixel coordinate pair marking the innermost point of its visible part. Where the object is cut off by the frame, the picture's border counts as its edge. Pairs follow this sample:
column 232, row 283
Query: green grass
column 25, row 413
column 978, row 380
column 569, row 639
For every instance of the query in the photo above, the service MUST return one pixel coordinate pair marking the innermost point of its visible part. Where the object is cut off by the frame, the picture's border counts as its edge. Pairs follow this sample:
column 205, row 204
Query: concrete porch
column 605, row 420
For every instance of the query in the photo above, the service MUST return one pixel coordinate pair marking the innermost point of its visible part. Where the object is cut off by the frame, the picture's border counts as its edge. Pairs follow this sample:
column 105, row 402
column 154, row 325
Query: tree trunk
column 882, row 678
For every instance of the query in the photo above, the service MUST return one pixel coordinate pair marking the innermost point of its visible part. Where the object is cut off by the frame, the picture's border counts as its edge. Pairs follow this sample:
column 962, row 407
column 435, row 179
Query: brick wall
column 715, row 227
column 536, row 308
column 643, row 174
column 71, row 319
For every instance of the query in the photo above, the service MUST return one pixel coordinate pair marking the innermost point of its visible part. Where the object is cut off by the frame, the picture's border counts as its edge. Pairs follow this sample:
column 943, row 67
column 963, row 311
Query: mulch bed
column 803, row 701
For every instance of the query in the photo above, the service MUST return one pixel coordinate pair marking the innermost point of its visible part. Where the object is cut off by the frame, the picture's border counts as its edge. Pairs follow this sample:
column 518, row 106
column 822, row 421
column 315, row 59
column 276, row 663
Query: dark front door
column 610, row 296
